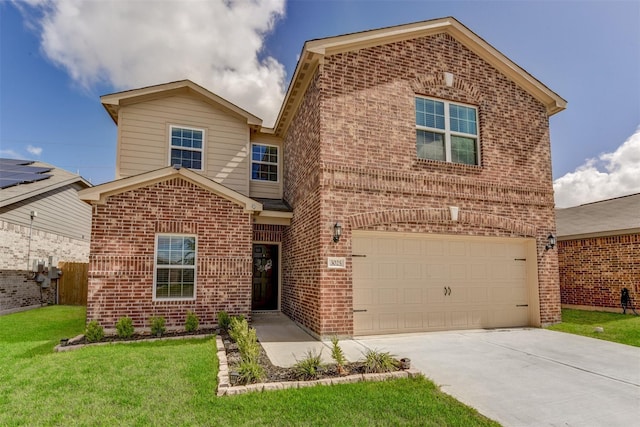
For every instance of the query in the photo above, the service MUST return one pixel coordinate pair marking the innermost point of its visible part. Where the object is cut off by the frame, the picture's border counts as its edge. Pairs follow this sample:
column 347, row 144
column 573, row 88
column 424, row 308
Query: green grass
column 620, row 328
column 173, row 383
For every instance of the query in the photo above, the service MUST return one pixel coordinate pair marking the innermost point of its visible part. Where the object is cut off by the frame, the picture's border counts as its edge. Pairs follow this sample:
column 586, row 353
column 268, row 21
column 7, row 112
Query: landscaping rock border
column 225, row 388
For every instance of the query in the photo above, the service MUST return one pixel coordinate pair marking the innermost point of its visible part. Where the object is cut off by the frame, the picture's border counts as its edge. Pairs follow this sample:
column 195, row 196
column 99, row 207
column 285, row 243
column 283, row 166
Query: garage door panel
column 388, row 295
column 436, row 282
column 412, row 296
column 413, row 321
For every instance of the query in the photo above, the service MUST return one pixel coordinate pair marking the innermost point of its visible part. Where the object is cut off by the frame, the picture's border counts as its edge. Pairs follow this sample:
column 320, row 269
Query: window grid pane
column 186, row 147
column 175, row 267
column 430, row 113
column 453, row 120
column 264, row 162
column 463, row 150
column 430, row 145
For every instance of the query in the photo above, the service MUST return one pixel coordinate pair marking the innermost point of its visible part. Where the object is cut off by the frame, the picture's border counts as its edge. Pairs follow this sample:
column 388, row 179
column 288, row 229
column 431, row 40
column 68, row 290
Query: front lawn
column 173, row 383
column 620, row 328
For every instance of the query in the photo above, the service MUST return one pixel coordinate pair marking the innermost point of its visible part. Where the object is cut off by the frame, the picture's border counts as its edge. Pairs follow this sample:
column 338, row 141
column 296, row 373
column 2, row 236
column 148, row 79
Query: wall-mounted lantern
column 551, row 242
column 337, row 232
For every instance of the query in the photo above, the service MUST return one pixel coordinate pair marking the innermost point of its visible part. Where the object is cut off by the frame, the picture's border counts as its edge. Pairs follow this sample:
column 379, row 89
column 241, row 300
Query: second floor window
column 446, row 131
column 264, row 162
column 186, row 147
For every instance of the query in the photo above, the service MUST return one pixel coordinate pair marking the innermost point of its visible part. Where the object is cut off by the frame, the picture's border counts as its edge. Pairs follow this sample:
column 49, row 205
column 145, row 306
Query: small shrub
column 223, row 320
column 378, row 362
column 248, row 346
column 310, row 367
column 157, row 325
column 191, row 323
column 338, row 356
column 250, row 372
column 94, row 331
column 124, row 327
column 238, row 327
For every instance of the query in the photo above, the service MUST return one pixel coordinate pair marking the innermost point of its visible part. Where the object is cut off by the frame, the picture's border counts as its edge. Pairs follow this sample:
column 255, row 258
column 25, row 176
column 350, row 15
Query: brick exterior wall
column 121, row 266
column 16, row 287
column 350, row 156
column 593, row 271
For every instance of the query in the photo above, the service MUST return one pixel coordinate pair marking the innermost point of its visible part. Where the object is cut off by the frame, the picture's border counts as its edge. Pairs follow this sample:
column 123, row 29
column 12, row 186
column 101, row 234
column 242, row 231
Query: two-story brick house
column 406, row 186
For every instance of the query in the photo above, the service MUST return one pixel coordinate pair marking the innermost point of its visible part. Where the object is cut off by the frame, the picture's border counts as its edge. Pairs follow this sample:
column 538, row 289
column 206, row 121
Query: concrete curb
column 226, row 389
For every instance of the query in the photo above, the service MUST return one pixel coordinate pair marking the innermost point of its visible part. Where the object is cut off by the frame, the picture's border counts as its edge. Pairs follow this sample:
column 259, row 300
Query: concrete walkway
column 518, row 377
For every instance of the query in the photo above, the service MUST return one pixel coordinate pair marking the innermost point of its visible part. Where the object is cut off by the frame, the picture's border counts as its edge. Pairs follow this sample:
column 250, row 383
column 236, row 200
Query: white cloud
column 611, row 175
column 131, row 44
column 10, row 154
column 36, row 151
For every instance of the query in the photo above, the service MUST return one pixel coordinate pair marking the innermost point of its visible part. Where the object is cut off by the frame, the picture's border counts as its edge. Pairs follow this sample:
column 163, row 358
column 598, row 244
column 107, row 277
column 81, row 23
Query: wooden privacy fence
column 73, row 283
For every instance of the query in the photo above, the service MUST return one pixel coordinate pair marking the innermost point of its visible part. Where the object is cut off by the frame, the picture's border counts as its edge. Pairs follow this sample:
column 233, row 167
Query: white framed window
column 264, row 162
column 175, row 267
column 447, row 131
column 186, row 147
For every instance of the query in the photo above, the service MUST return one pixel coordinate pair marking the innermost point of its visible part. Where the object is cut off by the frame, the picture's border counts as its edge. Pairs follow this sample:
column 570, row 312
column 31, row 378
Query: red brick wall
column 368, row 164
column 301, row 254
column 594, row 271
column 122, row 254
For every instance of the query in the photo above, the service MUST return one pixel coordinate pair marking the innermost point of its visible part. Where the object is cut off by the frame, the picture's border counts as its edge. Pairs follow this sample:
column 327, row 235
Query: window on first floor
column 446, row 131
column 175, row 267
column 186, row 147
column 264, row 162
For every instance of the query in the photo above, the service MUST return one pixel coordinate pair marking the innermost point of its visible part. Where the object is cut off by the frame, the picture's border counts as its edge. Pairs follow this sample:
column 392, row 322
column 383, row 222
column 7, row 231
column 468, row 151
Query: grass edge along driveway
column 173, row 383
column 620, row 328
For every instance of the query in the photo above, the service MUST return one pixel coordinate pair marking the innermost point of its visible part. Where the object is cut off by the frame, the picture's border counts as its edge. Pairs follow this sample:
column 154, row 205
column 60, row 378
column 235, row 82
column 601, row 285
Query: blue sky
column 57, row 58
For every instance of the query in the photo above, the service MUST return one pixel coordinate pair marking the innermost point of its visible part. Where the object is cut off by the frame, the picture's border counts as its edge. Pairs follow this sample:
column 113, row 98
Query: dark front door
column 265, row 277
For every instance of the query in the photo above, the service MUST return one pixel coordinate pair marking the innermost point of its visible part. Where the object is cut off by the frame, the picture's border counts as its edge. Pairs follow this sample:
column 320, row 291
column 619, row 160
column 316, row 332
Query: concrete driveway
column 518, row 377
column 528, row 377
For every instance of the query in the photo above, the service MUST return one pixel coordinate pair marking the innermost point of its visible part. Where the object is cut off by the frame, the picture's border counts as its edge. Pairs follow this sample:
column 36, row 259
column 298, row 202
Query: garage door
column 417, row 282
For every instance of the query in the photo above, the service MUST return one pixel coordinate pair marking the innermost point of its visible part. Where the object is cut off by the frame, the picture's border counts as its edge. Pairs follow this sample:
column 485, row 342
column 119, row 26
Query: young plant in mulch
column 124, row 328
column 338, row 356
column 192, row 322
column 94, row 332
column 157, row 325
column 223, row 320
column 310, row 367
column 249, row 368
column 379, row 362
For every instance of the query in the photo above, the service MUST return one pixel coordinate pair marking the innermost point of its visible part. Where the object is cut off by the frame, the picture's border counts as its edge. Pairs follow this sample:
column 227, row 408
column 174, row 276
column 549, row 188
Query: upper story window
column 186, row 147
column 264, row 162
column 175, row 271
column 447, row 131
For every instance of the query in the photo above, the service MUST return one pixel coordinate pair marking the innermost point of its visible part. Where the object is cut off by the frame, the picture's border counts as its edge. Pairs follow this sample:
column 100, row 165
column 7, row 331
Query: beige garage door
column 422, row 282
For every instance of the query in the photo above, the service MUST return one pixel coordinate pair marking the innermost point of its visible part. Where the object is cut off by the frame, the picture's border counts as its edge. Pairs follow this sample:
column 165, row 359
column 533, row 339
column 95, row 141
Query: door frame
column 279, row 245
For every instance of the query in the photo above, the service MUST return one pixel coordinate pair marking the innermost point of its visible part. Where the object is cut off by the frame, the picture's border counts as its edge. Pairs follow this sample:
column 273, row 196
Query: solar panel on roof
column 15, row 172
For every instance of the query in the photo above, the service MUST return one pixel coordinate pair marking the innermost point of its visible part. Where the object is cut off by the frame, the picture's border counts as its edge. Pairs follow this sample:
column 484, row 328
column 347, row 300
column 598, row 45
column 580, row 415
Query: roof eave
column 100, row 193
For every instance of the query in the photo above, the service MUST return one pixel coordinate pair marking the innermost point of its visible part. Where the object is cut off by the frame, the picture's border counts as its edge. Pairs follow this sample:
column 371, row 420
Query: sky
column 58, row 57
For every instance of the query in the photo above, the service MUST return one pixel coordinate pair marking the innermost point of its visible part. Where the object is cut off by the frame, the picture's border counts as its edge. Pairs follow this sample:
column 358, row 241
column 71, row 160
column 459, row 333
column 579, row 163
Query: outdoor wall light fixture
column 551, row 242
column 337, row 232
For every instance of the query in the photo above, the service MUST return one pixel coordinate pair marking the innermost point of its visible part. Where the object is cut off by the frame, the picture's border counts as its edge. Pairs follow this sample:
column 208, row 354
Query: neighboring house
column 599, row 253
column 406, row 186
column 41, row 216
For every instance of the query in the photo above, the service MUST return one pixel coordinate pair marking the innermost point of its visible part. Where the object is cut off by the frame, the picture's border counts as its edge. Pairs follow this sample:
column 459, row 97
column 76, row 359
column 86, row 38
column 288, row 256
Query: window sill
column 423, row 164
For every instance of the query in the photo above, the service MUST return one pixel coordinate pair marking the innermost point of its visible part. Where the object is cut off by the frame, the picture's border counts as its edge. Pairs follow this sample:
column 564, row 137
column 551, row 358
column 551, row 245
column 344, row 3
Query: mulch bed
column 280, row 374
column 138, row 337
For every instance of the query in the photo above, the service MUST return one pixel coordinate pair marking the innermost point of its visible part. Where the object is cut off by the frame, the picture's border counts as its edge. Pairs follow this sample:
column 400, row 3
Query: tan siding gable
column 59, row 211
column 143, row 139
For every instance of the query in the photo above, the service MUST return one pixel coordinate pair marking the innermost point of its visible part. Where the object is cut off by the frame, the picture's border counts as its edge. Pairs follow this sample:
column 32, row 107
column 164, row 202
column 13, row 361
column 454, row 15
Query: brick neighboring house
column 40, row 216
column 599, row 253
column 406, row 186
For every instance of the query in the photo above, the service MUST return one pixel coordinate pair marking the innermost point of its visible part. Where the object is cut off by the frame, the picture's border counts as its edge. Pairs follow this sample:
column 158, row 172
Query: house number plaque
column 337, row 262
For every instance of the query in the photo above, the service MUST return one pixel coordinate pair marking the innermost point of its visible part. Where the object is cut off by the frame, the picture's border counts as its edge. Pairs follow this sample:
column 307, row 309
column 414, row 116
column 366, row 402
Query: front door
column 265, row 277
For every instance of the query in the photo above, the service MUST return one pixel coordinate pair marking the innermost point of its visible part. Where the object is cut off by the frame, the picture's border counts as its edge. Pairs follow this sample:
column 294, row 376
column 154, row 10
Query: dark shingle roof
column 606, row 217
